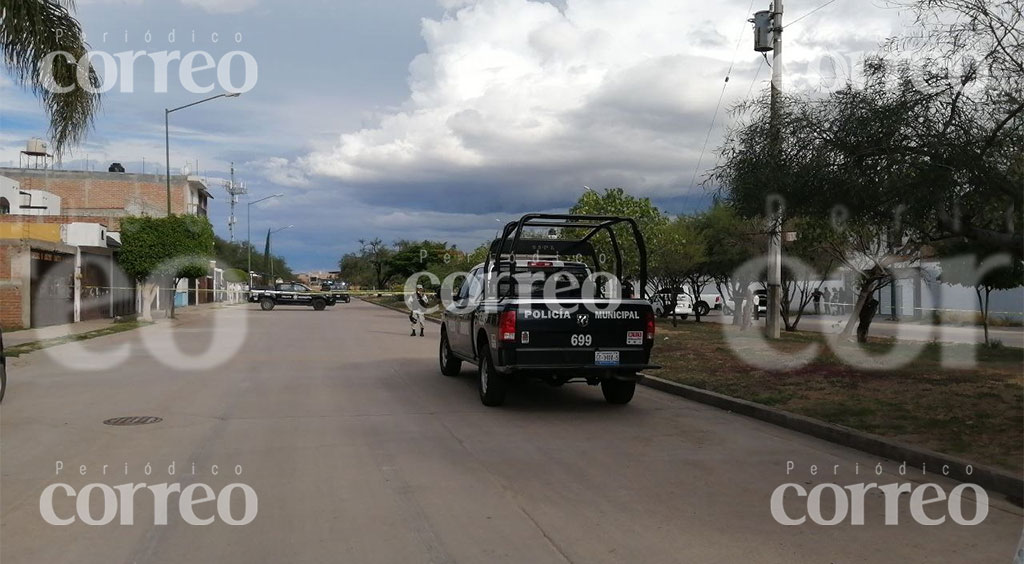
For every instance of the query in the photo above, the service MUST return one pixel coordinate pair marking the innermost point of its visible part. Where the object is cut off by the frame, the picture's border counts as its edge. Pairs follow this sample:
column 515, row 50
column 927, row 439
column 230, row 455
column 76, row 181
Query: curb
column 985, row 476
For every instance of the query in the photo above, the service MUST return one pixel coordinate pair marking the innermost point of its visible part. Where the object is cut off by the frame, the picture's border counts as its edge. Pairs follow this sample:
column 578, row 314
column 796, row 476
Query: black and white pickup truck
column 505, row 320
column 290, row 293
column 337, row 291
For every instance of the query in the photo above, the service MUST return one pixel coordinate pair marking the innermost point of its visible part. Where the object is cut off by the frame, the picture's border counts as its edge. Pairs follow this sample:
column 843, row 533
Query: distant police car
column 290, row 293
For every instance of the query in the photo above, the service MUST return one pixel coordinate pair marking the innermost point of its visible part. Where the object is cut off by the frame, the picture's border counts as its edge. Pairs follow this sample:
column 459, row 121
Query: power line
column 811, row 12
column 721, row 95
column 756, row 74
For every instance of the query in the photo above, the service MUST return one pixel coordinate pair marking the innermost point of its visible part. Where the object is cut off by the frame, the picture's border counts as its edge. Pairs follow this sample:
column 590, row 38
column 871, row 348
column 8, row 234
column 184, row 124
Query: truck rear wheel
column 266, row 304
column 451, row 365
column 319, row 305
column 618, row 392
column 491, row 384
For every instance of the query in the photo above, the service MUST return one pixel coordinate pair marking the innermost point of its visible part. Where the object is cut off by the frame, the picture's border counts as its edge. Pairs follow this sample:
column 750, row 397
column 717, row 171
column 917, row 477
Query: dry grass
column 977, row 413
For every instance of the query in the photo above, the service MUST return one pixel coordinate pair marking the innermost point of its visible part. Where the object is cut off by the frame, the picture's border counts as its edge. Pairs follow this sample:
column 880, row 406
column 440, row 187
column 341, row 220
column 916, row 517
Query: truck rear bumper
column 622, row 371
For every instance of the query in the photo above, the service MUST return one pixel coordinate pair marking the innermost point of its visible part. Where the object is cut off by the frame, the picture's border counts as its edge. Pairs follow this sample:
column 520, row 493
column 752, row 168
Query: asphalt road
column 360, row 451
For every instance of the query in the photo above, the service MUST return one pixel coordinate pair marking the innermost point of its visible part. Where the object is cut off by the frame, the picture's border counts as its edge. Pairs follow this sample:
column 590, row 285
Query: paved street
column 361, row 451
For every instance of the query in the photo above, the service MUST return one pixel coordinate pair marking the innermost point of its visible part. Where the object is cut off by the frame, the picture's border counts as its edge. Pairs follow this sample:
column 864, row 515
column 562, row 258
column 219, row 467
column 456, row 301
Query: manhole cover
column 133, row 420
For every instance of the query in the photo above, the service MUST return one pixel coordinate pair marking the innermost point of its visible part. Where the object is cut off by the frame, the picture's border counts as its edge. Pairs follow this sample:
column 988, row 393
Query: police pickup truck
column 535, row 309
column 338, row 291
column 290, row 293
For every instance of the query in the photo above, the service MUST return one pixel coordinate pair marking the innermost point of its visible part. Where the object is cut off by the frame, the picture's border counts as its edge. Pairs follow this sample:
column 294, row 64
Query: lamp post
column 270, row 253
column 248, row 232
column 167, row 136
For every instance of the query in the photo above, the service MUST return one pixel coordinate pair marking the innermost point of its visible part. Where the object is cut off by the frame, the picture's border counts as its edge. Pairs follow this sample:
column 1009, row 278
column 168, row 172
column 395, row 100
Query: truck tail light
column 507, row 326
column 539, row 264
column 650, row 326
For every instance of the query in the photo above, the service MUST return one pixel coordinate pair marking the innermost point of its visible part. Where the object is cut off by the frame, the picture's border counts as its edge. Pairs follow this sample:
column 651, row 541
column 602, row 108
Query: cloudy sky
column 436, row 118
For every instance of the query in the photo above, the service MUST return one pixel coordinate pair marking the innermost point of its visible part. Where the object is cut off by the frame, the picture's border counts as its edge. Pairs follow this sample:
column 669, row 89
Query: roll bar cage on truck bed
column 592, row 224
column 510, row 333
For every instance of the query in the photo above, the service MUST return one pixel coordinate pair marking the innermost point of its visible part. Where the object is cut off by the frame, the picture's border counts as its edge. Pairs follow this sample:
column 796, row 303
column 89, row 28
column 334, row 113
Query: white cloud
column 277, row 171
column 222, row 6
column 607, row 89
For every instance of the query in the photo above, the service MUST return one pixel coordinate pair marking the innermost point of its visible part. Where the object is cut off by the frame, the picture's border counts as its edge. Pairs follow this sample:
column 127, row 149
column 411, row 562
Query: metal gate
column 53, row 287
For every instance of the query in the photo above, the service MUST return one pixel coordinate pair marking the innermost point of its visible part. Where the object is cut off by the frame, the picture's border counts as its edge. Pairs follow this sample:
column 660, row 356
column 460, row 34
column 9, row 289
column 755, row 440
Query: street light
column 248, row 231
column 270, row 252
column 167, row 136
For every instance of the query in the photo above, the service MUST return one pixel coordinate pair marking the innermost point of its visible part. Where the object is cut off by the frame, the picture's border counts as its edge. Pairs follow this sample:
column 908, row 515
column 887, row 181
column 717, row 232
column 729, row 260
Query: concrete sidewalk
column 24, row 336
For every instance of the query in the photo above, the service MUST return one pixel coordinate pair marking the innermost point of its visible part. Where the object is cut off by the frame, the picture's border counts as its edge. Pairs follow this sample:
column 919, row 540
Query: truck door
column 461, row 335
column 303, row 295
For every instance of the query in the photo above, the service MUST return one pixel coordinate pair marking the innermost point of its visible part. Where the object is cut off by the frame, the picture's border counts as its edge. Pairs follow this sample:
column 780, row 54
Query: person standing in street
column 827, row 296
column 417, row 305
column 816, row 296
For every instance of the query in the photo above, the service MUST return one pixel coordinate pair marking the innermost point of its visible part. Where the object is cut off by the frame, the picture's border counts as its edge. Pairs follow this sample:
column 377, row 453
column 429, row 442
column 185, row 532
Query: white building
column 15, row 201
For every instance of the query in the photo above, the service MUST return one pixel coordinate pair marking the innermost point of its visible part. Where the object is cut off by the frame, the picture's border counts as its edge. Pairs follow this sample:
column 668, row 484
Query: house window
column 5, row 206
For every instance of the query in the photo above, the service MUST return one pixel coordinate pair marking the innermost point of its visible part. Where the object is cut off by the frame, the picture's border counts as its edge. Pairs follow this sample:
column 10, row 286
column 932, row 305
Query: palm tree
column 30, row 30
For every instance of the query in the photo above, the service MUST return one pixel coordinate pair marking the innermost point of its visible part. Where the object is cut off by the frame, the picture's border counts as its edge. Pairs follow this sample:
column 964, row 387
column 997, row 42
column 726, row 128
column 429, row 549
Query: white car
column 662, row 302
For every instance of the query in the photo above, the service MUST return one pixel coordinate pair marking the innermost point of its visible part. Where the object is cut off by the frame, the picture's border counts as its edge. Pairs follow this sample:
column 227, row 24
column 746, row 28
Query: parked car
column 508, row 333
column 290, row 293
column 662, row 304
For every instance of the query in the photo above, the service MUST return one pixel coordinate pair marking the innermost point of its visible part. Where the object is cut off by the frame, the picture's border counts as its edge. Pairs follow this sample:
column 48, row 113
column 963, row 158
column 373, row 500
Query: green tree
column 679, row 252
column 171, row 248
column 801, row 281
column 618, row 202
column 967, row 267
column 356, row 270
column 731, row 241
column 929, row 143
column 376, row 254
column 236, row 255
column 30, row 31
column 410, row 257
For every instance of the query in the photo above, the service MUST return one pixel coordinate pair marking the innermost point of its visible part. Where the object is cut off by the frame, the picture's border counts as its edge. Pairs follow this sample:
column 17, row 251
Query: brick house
column 112, row 195
column 58, row 240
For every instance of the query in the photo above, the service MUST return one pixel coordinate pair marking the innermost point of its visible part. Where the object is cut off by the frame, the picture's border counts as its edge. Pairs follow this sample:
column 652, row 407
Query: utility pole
column 768, row 37
column 774, row 322
column 234, row 191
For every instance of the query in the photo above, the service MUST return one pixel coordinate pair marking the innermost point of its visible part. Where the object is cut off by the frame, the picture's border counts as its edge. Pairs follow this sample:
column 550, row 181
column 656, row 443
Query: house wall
column 90, row 193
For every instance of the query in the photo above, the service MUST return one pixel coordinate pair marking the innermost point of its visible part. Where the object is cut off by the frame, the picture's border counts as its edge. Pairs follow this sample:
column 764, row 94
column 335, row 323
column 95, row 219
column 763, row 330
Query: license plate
column 606, row 358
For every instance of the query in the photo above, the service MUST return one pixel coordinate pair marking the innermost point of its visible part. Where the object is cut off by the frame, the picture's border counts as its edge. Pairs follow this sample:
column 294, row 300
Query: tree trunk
column 983, row 306
column 149, row 292
column 865, row 293
column 174, row 294
column 864, row 326
column 737, row 302
column 675, row 301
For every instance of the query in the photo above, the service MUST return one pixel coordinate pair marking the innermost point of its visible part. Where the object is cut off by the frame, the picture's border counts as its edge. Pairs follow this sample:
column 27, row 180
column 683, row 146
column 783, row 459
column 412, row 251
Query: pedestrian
column 827, row 296
column 417, row 305
column 816, row 296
